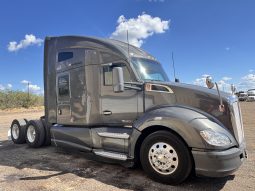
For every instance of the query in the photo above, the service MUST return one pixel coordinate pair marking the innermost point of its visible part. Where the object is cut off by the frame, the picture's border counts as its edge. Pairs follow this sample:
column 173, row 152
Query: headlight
column 215, row 138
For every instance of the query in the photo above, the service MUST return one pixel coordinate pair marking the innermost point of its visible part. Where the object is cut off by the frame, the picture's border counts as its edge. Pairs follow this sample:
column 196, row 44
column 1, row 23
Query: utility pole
column 28, row 91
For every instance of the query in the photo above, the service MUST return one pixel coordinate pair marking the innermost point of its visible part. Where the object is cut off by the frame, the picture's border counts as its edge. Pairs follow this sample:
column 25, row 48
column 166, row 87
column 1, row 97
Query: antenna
column 175, row 79
column 128, row 44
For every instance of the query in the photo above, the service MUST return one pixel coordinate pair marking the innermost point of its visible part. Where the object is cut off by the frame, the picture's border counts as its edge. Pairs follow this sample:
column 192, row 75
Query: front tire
column 165, row 158
column 35, row 133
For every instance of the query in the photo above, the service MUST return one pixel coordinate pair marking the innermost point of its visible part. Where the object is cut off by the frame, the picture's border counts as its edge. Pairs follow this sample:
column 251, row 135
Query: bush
column 17, row 99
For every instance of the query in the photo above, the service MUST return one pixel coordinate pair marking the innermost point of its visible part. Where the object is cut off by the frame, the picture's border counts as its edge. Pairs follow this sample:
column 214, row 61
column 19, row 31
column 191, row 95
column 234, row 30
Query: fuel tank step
column 111, row 155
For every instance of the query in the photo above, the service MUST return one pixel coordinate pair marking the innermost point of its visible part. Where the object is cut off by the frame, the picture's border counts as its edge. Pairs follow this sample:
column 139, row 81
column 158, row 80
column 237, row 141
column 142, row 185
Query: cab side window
column 107, row 74
column 62, row 56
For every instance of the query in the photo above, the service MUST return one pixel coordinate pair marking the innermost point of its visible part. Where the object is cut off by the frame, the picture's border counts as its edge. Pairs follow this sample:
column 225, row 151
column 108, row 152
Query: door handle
column 106, row 112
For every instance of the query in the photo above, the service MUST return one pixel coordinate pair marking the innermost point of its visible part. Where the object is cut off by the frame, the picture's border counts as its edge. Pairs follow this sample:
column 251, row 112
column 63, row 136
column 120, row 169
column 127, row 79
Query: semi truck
column 115, row 100
column 242, row 96
column 251, row 95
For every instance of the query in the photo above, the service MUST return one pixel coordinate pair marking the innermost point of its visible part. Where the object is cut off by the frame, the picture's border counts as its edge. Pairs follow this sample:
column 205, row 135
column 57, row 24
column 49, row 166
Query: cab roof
column 120, row 47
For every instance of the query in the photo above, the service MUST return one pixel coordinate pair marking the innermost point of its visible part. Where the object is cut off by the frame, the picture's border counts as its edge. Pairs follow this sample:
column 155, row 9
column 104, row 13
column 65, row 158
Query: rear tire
column 165, row 158
column 18, row 131
column 35, row 133
column 47, row 141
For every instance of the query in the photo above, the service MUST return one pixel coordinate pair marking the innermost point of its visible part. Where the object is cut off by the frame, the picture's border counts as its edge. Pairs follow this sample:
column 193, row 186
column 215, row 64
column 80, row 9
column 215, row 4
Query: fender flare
column 186, row 122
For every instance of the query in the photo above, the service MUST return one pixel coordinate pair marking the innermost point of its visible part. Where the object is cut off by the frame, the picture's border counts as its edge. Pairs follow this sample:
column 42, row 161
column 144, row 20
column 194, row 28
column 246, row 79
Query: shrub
column 17, row 99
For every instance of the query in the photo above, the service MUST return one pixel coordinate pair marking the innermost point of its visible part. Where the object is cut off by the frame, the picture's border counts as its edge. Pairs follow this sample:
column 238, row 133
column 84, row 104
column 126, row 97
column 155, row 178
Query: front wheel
column 165, row 158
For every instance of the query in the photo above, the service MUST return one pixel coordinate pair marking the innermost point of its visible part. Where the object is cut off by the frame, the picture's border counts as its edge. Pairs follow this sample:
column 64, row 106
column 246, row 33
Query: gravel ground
column 50, row 168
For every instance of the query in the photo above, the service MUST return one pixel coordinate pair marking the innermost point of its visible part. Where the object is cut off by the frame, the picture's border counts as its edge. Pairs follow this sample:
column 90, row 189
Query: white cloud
column 251, row 70
column 29, row 40
column 222, row 84
column 201, row 81
column 5, row 87
column 2, row 87
column 247, row 82
column 33, row 88
column 225, row 78
column 139, row 28
column 25, row 82
column 155, row 1
column 9, row 86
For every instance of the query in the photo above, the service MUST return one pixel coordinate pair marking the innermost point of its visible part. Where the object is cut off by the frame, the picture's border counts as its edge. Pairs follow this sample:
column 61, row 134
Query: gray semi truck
column 115, row 100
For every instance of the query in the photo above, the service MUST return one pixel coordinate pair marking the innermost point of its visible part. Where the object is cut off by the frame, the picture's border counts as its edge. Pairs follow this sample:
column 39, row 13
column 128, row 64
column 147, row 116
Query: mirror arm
column 221, row 106
column 132, row 87
column 128, row 85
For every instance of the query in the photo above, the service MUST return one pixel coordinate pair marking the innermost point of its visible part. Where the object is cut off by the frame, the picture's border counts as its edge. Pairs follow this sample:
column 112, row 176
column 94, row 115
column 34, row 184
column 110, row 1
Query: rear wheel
column 35, row 133
column 47, row 141
column 18, row 131
column 165, row 158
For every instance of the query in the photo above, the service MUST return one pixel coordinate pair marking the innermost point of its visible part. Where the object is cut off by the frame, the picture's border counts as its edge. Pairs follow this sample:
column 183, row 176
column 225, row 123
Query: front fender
column 186, row 122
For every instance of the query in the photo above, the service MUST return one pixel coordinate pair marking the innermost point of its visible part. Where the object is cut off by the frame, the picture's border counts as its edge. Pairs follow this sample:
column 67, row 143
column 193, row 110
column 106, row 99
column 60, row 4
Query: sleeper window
column 63, row 86
column 107, row 72
column 62, row 56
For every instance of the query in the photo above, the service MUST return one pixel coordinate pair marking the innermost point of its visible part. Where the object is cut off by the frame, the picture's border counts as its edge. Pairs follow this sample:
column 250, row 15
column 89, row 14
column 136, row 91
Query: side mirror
column 209, row 82
column 117, row 79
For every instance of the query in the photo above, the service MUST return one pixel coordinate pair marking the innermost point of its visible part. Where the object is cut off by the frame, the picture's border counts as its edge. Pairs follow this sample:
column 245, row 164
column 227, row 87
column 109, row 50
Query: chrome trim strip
column 232, row 99
column 114, row 135
column 238, row 128
column 117, row 156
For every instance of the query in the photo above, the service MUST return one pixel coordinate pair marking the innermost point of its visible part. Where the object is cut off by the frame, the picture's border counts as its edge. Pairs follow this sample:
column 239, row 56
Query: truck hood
column 203, row 99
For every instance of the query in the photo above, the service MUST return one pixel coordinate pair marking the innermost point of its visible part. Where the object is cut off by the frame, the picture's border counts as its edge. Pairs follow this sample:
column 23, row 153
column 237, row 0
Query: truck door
column 117, row 108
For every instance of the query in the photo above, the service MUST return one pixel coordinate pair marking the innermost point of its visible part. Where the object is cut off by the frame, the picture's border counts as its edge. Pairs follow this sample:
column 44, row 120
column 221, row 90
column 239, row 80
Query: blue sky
column 214, row 38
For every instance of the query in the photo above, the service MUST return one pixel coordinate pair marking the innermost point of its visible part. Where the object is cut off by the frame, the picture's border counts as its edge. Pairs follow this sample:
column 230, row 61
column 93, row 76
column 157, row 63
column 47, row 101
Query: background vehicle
column 251, row 95
column 115, row 100
column 242, row 96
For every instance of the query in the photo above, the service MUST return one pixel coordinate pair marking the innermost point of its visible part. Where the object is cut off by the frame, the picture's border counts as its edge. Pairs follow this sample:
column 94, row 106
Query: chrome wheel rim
column 15, row 131
column 163, row 158
column 31, row 133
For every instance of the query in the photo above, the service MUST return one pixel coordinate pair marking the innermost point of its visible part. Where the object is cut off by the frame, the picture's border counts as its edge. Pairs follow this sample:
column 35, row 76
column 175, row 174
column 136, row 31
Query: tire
column 18, row 131
column 47, row 140
column 35, row 133
column 172, row 156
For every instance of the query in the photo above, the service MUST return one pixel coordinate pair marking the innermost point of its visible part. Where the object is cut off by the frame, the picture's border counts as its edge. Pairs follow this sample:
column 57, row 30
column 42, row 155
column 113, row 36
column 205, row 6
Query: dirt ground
column 50, row 168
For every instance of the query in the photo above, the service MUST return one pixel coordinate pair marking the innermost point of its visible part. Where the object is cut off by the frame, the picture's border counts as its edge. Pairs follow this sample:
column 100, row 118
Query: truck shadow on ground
column 60, row 162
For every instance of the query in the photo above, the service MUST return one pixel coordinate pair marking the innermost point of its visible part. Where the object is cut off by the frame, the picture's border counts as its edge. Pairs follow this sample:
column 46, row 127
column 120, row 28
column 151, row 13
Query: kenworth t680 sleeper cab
column 115, row 100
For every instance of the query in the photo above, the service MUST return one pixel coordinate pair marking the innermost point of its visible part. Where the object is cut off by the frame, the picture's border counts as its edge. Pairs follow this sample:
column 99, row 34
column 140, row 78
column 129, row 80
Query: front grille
column 237, row 122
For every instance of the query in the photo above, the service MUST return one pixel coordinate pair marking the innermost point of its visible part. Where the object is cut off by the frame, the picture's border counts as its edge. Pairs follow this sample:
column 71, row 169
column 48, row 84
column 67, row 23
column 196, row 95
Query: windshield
column 149, row 70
